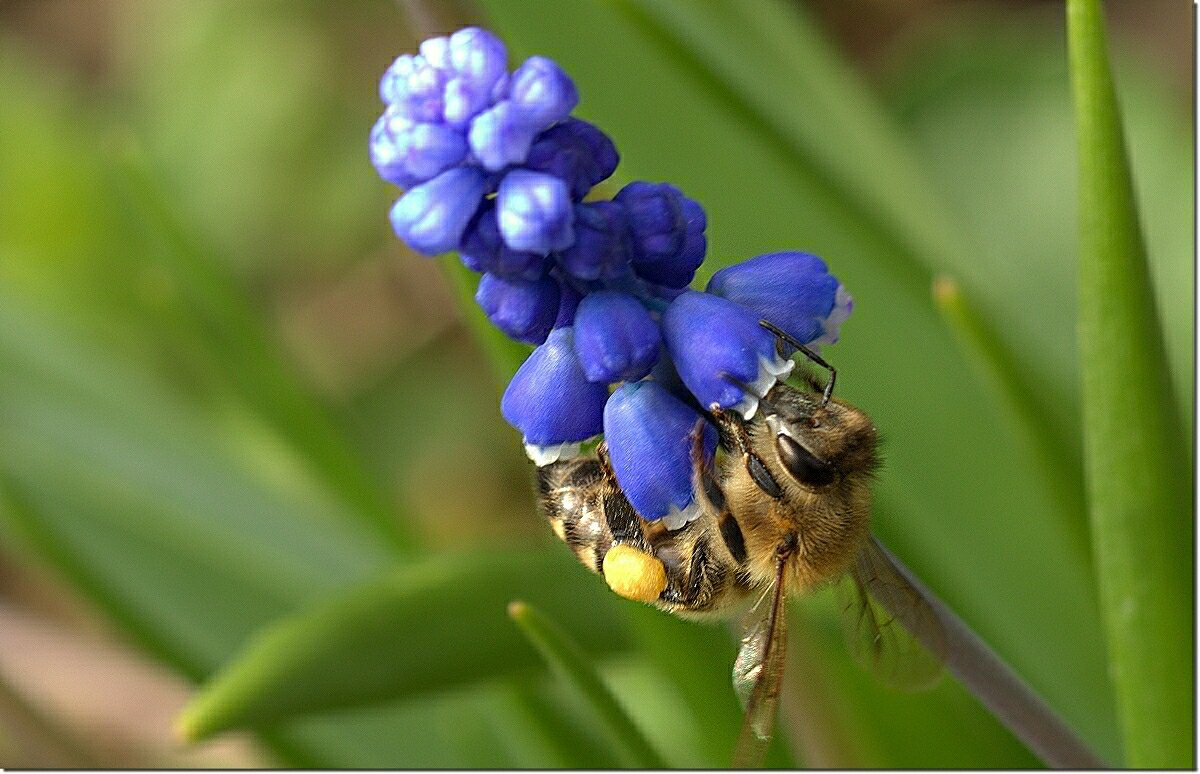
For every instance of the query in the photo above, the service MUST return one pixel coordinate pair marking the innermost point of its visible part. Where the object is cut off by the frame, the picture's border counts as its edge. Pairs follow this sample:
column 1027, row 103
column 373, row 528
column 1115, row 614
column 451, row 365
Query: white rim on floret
column 678, row 518
column 545, row 455
column 770, row 371
column 831, row 325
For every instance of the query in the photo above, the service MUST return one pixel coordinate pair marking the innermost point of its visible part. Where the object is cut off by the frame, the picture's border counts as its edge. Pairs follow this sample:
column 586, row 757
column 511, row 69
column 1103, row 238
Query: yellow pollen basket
column 634, row 574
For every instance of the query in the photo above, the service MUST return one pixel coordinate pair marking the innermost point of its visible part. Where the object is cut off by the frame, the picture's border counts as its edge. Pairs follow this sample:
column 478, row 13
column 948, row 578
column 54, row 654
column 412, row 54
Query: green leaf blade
column 568, row 660
column 1135, row 458
column 434, row 625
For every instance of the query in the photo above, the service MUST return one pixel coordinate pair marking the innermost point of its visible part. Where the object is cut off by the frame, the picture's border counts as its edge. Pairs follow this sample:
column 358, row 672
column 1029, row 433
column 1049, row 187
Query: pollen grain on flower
column 495, row 167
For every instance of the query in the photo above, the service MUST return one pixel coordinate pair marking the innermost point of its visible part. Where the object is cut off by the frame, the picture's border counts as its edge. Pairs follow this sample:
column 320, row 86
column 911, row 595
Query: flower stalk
column 994, row 683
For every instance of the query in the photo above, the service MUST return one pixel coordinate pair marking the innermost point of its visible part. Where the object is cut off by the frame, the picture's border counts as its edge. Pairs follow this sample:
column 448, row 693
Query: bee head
column 817, row 443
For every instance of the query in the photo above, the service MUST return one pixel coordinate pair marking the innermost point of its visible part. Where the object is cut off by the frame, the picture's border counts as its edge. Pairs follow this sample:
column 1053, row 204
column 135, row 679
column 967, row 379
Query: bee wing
column 890, row 628
column 758, row 674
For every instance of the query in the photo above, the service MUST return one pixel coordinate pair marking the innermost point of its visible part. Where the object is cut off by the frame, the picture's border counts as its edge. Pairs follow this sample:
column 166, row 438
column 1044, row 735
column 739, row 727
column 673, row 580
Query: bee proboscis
column 786, row 509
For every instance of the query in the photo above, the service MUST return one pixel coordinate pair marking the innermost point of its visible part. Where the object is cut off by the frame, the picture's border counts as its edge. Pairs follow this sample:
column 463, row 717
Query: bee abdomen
column 573, row 495
column 677, row 570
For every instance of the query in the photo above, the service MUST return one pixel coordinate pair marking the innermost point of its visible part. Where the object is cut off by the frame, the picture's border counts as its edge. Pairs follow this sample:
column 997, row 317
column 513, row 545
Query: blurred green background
column 229, row 395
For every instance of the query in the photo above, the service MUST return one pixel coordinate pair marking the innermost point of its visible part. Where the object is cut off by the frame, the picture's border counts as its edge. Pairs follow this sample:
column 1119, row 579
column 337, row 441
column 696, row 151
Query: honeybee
column 785, row 508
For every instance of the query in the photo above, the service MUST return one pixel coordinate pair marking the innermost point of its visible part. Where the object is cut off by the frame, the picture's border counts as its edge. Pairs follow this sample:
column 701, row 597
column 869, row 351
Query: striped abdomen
column 702, row 561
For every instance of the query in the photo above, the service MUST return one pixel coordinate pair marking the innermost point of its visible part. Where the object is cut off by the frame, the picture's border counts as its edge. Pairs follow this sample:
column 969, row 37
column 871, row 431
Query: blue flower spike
column 552, row 403
column 650, row 435
column 496, row 167
column 534, row 211
column 524, row 310
column 718, row 346
column 615, row 337
column 432, row 217
column 794, row 291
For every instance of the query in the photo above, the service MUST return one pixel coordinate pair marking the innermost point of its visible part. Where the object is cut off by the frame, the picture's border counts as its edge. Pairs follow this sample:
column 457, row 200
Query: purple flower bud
column 575, row 151
column 414, row 88
column 385, row 156
column 431, row 218
column 463, row 102
column 667, row 231
column 711, row 339
column 499, row 138
column 437, row 52
column 650, row 436
column 795, row 291
column 615, row 337
column 393, row 82
column 526, row 311
column 678, row 269
column 534, row 211
column 551, row 402
column 655, row 219
column 478, row 57
column 542, row 92
column 483, row 249
column 601, row 247
column 477, row 61
column 407, row 153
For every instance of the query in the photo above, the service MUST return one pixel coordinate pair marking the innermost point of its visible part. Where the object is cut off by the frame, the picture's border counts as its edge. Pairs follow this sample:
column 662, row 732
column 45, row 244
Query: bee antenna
column 746, row 388
column 813, row 356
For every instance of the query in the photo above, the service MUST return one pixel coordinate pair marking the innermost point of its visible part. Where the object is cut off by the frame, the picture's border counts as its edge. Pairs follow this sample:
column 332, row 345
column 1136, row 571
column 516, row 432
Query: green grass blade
column 418, row 630
column 569, row 661
column 1135, row 457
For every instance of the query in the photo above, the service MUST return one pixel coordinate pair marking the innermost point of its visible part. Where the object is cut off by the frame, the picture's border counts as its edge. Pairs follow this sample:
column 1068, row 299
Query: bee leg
column 695, row 587
column 731, row 428
column 734, row 438
column 782, row 337
column 605, row 461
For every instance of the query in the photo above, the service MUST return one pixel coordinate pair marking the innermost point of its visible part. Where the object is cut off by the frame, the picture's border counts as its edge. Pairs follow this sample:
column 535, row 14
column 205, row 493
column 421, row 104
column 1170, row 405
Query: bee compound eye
column 634, row 574
column 801, row 463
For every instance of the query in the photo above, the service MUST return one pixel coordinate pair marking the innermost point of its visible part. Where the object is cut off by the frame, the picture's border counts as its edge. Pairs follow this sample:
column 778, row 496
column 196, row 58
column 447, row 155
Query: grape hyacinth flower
column 552, row 402
column 496, row 167
column 794, row 291
column 615, row 337
column 649, row 431
column 711, row 339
